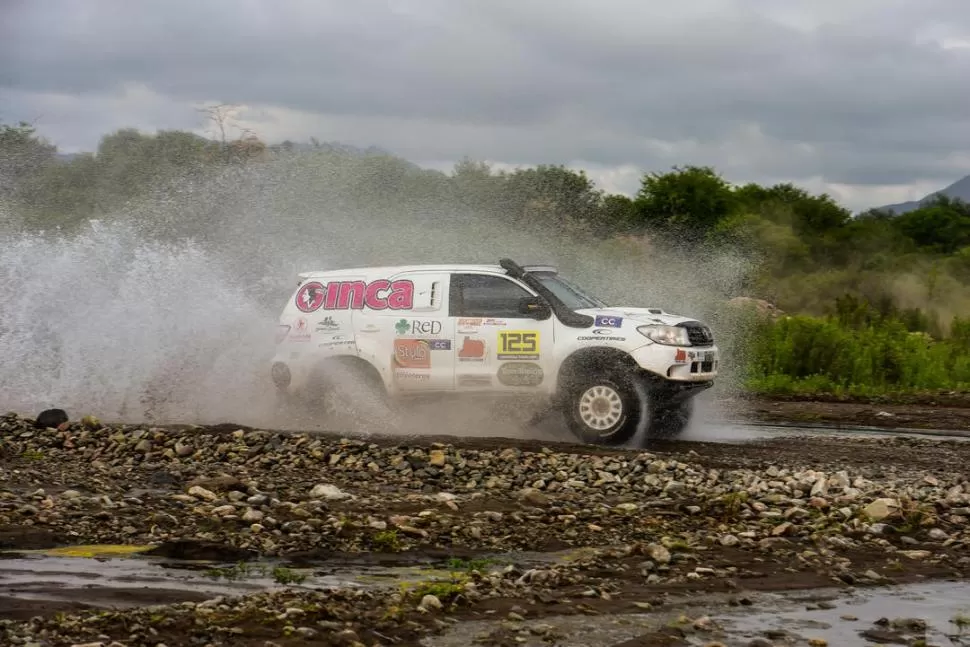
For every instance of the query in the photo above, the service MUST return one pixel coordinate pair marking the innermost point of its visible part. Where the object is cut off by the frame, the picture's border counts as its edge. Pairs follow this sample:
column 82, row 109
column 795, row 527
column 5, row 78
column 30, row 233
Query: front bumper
column 679, row 363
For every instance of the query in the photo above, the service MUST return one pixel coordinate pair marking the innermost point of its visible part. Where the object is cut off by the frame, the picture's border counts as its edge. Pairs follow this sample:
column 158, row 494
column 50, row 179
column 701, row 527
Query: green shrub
column 858, row 351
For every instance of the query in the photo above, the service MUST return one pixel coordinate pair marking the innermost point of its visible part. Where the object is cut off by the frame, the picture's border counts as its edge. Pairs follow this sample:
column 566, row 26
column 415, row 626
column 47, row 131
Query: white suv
column 496, row 329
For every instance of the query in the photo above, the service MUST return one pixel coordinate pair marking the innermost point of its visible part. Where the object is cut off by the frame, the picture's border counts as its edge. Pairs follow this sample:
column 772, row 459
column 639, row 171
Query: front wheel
column 607, row 407
column 670, row 420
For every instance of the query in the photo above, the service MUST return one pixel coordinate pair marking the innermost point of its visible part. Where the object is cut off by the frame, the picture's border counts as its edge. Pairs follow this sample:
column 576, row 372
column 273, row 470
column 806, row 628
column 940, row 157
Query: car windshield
column 574, row 297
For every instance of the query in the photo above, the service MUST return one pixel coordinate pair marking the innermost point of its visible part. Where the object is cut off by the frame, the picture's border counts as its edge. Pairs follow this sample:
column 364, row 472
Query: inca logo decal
column 310, row 297
column 381, row 294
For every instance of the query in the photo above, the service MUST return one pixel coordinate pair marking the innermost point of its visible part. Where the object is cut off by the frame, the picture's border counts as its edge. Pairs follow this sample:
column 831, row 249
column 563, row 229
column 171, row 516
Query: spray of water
column 166, row 309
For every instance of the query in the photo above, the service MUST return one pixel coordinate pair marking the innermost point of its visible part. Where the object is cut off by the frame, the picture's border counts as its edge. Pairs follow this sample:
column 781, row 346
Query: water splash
column 109, row 323
column 166, row 309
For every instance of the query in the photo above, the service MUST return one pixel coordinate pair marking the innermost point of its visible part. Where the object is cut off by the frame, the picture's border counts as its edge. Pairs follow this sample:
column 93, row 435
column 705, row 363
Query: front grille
column 698, row 333
column 703, row 367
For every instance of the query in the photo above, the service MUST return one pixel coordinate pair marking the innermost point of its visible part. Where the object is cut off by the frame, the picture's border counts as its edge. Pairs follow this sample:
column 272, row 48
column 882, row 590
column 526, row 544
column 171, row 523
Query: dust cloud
column 165, row 311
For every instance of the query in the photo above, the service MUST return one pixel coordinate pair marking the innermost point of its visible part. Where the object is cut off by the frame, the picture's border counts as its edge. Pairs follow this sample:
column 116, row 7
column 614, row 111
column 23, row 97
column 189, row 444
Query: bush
column 858, row 351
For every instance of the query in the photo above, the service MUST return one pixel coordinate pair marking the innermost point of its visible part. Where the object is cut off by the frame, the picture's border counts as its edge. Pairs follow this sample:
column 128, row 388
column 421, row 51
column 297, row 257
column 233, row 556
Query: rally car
column 612, row 371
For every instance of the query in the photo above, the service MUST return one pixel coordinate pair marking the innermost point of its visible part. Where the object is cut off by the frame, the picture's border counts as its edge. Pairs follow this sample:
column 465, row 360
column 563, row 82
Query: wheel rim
column 600, row 407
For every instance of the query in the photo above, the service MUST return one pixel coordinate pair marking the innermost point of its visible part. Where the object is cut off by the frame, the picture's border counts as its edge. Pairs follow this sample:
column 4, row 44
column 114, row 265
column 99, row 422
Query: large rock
column 659, row 553
column 329, row 492
column 51, row 418
column 881, row 509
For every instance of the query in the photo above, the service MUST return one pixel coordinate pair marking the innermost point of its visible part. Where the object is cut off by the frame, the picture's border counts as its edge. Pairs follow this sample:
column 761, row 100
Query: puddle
column 125, row 576
column 124, row 582
column 792, row 619
column 937, row 604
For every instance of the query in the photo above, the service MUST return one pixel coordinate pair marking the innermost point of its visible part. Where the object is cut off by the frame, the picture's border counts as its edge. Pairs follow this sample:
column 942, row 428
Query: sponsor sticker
column 439, row 344
column 472, row 350
column 469, row 322
column 327, row 324
column 406, row 374
column 299, row 331
column 599, row 337
column 418, row 327
column 520, row 374
column 518, row 344
column 347, row 344
column 608, row 321
column 380, row 294
column 412, row 353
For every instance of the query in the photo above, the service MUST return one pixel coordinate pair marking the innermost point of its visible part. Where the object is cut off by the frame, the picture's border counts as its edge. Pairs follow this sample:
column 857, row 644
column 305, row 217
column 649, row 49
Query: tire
column 606, row 406
column 669, row 421
column 351, row 391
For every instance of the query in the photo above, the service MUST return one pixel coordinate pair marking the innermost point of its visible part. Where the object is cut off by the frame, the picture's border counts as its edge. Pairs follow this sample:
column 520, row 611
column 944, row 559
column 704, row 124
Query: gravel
column 645, row 518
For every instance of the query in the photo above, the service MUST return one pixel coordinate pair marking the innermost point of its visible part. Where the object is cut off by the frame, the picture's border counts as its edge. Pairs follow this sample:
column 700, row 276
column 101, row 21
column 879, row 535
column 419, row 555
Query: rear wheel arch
column 330, row 369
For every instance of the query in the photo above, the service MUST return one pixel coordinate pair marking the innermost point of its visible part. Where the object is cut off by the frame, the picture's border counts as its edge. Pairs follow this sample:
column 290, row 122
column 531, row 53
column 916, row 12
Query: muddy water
column 133, row 581
column 936, row 613
column 119, row 576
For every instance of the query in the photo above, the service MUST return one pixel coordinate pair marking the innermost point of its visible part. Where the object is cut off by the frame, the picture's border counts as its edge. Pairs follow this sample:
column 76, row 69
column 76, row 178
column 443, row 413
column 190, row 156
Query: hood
column 639, row 315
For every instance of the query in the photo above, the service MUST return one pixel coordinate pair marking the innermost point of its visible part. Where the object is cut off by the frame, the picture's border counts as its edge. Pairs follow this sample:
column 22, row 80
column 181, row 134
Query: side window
column 480, row 295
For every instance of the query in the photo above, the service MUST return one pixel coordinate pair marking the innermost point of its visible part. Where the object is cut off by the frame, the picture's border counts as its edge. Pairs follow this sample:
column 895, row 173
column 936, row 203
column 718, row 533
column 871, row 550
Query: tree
column 223, row 119
column 551, row 195
column 686, row 202
column 807, row 214
column 476, row 188
column 941, row 225
column 22, row 154
column 617, row 214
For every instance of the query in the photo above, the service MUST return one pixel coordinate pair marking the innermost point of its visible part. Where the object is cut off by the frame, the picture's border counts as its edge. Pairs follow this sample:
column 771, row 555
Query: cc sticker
column 608, row 321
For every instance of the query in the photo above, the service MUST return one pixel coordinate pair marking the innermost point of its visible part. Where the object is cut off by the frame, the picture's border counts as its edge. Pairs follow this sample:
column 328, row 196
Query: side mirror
column 534, row 307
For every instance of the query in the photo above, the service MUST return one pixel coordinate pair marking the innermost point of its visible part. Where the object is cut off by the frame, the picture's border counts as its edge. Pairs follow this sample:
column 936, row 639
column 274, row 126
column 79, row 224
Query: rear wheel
column 350, row 391
column 607, row 406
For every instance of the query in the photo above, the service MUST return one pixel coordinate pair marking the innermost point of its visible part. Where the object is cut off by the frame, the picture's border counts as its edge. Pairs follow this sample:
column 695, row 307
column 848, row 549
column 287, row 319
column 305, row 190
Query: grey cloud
column 860, row 83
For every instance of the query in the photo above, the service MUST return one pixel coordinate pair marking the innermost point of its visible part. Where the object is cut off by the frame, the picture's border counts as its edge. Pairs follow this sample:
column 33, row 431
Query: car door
column 496, row 347
column 411, row 343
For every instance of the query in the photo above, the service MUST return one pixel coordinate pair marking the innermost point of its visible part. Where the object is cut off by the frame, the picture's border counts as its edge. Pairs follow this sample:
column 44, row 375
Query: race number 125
column 518, row 344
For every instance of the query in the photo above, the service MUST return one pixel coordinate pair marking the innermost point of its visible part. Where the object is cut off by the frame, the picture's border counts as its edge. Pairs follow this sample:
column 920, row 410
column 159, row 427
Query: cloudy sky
column 868, row 100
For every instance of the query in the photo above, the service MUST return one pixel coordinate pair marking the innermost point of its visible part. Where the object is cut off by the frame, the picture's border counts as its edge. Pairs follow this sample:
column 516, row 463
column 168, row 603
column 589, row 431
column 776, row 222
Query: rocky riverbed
column 633, row 532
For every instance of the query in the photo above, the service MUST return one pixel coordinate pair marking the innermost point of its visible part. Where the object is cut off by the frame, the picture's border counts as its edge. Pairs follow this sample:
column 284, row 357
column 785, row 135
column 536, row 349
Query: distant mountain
column 959, row 189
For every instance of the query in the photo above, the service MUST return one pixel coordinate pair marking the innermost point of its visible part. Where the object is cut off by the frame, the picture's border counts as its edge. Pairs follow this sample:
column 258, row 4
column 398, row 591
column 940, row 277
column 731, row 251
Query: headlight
column 668, row 335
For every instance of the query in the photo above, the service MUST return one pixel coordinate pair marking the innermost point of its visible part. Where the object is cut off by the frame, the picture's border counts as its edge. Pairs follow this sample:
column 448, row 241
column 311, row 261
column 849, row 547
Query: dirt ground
column 603, row 577
column 947, row 413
